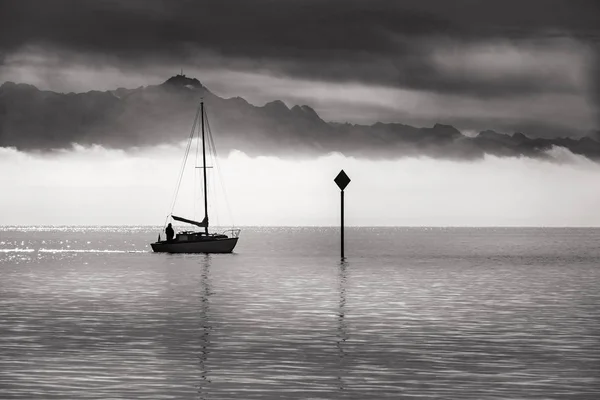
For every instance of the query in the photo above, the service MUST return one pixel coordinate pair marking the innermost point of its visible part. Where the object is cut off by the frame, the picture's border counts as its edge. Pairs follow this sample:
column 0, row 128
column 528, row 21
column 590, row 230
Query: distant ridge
column 36, row 120
column 181, row 80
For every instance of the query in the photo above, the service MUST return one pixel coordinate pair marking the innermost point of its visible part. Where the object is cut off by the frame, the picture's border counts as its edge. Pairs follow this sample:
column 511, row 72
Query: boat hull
column 225, row 245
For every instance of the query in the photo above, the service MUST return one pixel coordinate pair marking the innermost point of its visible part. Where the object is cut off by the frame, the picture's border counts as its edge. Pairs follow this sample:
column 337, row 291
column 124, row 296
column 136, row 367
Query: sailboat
column 197, row 241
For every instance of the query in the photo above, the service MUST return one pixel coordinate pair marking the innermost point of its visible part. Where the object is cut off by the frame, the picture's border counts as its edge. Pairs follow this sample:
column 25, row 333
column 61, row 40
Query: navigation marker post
column 342, row 180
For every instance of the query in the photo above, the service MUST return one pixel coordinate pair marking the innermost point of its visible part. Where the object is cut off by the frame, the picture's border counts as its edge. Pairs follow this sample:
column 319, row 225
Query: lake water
column 413, row 313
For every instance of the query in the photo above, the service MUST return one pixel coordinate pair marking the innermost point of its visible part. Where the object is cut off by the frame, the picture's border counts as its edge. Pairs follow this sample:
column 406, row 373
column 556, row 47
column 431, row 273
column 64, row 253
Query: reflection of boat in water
column 205, row 291
column 198, row 241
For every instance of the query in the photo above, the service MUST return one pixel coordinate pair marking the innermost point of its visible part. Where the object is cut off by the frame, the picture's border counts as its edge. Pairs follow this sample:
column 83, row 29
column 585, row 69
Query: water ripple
column 504, row 316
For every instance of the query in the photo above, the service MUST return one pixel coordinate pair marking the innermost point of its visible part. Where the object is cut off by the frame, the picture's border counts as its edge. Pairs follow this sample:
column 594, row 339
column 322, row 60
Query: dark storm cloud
column 376, row 42
column 596, row 85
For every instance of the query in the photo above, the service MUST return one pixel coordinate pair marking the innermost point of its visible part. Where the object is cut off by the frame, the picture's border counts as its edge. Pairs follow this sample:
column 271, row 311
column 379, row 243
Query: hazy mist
column 98, row 186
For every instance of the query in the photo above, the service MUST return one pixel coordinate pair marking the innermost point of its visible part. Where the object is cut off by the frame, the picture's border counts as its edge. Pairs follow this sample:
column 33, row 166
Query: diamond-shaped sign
column 342, row 180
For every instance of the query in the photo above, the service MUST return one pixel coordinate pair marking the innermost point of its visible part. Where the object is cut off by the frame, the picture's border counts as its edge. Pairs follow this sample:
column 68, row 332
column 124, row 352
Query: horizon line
column 314, row 226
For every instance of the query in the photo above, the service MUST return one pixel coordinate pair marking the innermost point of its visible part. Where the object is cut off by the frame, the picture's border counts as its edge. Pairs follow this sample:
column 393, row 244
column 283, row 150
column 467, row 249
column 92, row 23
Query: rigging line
column 184, row 162
column 214, row 203
column 165, row 225
column 221, row 181
column 213, row 185
column 185, row 157
column 211, row 182
column 218, row 168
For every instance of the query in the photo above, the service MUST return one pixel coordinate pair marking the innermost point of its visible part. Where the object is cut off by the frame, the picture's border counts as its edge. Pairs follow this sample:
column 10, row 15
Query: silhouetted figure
column 170, row 233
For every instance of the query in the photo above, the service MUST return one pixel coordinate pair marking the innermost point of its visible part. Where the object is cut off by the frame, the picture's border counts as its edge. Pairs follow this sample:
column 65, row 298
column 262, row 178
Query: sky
column 519, row 64
column 529, row 65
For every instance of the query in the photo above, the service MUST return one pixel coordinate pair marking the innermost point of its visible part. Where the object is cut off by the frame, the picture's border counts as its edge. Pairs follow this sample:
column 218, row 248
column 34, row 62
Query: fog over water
column 98, row 186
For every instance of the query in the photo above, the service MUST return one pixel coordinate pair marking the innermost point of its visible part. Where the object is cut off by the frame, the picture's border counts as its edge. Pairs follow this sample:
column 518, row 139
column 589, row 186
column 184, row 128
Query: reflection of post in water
column 205, row 326
column 342, row 329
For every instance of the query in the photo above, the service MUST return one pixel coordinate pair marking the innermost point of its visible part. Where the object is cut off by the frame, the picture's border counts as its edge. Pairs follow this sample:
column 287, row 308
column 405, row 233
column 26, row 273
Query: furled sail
column 203, row 224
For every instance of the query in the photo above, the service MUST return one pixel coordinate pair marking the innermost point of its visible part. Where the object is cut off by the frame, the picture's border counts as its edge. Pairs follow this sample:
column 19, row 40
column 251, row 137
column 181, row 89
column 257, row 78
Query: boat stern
column 224, row 245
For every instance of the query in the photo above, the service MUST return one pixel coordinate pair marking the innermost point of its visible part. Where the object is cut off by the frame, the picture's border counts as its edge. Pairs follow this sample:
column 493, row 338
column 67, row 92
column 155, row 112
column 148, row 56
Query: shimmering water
column 90, row 313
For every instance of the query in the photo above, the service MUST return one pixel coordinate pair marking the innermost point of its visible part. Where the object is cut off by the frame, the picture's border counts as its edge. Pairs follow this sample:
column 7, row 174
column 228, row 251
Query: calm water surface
column 90, row 313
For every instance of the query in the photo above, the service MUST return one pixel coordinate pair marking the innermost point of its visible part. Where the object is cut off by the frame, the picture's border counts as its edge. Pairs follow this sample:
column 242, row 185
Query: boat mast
column 204, row 170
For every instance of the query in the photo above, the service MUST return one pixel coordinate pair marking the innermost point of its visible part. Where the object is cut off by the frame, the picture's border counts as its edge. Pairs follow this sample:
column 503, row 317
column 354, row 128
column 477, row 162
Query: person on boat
column 170, row 232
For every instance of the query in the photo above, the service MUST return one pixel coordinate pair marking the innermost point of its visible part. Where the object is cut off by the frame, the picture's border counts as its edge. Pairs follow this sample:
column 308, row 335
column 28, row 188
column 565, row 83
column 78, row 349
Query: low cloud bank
column 98, row 186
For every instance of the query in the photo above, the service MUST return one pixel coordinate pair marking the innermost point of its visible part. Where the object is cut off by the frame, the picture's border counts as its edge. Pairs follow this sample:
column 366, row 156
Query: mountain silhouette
column 39, row 120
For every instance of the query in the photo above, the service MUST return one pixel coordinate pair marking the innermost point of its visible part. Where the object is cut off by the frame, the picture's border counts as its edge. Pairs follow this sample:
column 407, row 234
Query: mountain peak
column 489, row 134
column 180, row 80
column 276, row 106
column 8, row 85
column 446, row 130
column 519, row 136
column 305, row 111
column 309, row 111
